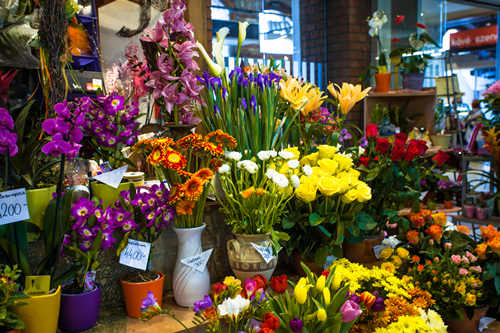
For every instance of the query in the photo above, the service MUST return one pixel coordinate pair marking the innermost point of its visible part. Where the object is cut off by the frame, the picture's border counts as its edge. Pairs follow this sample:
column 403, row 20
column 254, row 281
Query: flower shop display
column 383, row 74
column 188, row 166
column 329, row 196
column 91, row 232
column 10, row 297
column 169, row 51
column 256, row 193
column 146, row 214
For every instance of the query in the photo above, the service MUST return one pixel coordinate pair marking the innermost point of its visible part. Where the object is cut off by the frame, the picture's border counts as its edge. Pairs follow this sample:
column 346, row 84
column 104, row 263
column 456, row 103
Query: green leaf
column 315, row 219
column 287, row 224
column 365, row 221
column 497, row 284
column 326, row 232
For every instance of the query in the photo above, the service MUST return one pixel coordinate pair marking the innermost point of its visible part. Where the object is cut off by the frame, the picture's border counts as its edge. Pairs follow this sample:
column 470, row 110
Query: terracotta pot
column 362, row 252
column 467, row 325
column 482, row 213
column 382, row 82
column 40, row 314
column 135, row 292
column 297, row 259
column 469, row 211
column 244, row 259
column 448, row 204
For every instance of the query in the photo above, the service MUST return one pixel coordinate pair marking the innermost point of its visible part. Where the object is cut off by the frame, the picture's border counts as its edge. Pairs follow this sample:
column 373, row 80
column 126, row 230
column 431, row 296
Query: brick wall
column 312, row 30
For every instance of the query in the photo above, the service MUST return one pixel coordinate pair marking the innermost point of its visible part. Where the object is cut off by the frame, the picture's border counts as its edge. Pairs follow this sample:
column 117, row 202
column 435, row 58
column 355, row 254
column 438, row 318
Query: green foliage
column 10, row 297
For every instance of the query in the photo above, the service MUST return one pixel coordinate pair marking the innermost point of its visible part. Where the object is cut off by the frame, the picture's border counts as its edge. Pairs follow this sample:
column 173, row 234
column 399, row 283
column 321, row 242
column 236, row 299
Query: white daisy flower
column 287, row 155
column 224, row 168
column 293, row 164
column 233, row 155
column 280, row 180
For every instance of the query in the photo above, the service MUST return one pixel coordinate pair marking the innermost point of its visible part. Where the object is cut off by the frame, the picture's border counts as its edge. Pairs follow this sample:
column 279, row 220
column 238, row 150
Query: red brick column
column 312, row 30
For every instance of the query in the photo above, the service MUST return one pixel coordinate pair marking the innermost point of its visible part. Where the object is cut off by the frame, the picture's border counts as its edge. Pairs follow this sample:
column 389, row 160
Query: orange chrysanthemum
column 435, row 231
column 174, row 160
column 395, row 307
column 213, row 149
column 193, row 188
column 463, row 229
column 481, row 250
column 421, row 298
column 189, row 140
column 162, row 142
column 185, row 207
column 488, row 232
column 156, row 156
column 222, row 138
column 205, row 174
column 412, row 237
column 494, row 243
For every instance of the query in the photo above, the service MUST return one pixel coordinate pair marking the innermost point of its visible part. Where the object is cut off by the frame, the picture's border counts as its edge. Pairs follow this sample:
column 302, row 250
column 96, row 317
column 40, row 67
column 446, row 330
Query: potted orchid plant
column 383, row 75
column 188, row 166
column 91, row 232
column 148, row 214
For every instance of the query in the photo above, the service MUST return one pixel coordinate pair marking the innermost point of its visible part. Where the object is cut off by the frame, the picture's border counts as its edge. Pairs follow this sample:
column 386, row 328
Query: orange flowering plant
column 188, row 166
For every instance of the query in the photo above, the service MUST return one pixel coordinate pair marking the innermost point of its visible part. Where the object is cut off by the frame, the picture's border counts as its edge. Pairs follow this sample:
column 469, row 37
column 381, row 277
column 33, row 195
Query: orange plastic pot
column 448, row 204
column 382, row 82
column 135, row 292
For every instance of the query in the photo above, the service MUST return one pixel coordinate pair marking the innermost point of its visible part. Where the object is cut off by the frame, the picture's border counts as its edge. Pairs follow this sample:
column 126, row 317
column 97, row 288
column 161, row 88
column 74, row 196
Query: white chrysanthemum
column 264, row 155
column 307, row 170
column 287, row 155
column 295, row 181
column 224, row 168
column 434, row 321
column 293, row 164
column 270, row 173
column 233, row 155
column 280, row 180
column 248, row 165
column 233, row 306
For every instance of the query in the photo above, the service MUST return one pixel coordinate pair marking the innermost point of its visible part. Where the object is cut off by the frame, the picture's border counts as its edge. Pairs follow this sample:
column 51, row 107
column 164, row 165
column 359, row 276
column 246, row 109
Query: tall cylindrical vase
column 189, row 284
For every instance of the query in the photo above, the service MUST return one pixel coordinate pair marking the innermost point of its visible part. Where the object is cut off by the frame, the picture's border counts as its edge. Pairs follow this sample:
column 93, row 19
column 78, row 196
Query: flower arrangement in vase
column 255, row 196
column 329, row 196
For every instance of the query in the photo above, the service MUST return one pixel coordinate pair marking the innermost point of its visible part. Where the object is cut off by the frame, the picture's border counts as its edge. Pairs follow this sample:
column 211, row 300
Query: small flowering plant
column 316, row 304
column 148, row 213
column 92, row 230
column 111, row 123
column 233, row 306
column 256, row 191
column 10, row 297
column 188, row 166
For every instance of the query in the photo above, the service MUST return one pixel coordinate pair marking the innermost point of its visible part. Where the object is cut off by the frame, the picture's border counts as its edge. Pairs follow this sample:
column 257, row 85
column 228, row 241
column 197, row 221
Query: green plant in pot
column 10, row 297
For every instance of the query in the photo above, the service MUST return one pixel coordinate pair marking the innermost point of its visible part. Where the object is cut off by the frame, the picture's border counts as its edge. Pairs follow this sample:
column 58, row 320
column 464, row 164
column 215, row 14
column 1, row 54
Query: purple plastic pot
column 79, row 312
column 414, row 81
column 481, row 213
column 469, row 211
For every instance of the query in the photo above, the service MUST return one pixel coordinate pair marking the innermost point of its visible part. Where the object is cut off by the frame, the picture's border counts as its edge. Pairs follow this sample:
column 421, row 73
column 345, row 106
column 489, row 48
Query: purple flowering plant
column 150, row 213
column 111, row 124
column 91, row 231
column 170, row 53
column 8, row 137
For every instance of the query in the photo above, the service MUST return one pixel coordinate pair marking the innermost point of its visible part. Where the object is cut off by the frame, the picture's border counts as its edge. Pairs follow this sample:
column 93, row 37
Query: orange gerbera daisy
column 184, row 173
column 223, row 138
column 189, row 140
column 176, row 194
column 214, row 150
column 193, row 188
column 185, row 207
column 205, row 174
column 156, row 156
column 162, row 142
column 174, row 160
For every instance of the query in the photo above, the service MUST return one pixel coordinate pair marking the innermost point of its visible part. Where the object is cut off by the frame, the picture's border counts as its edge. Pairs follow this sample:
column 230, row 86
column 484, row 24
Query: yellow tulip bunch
column 347, row 95
column 305, row 97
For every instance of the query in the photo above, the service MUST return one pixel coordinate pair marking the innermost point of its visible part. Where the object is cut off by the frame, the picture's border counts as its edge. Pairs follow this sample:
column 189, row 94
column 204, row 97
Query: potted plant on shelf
column 148, row 215
column 169, row 49
column 482, row 210
column 188, row 166
column 10, row 297
column 90, row 233
column 413, row 60
column 447, row 189
column 326, row 202
column 383, row 74
column 255, row 198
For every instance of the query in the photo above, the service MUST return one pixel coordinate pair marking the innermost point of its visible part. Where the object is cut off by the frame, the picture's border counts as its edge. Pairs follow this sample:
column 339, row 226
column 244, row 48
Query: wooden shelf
column 439, row 209
column 495, row 220
column 404, row 93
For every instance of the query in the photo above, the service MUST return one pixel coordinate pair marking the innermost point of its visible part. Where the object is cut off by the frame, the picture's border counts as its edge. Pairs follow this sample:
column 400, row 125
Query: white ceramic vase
column 189, row 284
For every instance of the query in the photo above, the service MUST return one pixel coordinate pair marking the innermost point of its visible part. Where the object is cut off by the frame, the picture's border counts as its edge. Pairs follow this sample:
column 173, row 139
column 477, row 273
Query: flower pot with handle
column 362, row 252
column 40, row 313
column 469, row 211
column 382, row 82
column 135, row 292
column 482, row 213
column 245, row 260
column 413, row 81
column 38, row 200
column 189, row 284
column 72, row 318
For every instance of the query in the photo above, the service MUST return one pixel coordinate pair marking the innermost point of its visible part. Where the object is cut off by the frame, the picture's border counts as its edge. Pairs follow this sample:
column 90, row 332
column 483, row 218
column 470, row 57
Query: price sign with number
column 136, row 254
column 266, row 252
column 13, row 206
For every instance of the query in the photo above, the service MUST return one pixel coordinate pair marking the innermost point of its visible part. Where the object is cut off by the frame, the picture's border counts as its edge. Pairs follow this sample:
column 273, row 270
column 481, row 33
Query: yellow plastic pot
column 41, row 313
column 38, row 200
column 107, row 194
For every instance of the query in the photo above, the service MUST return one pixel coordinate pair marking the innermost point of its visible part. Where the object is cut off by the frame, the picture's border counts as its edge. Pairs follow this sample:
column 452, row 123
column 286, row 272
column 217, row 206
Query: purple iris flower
column 203, row 304
column 363, row 142
column 244, row 103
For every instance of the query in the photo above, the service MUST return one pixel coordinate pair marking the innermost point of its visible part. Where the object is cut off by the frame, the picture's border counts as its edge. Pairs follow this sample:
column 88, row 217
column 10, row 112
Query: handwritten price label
column 136, row 254
column 266, row 252
column 13, row 206
column 198, row 262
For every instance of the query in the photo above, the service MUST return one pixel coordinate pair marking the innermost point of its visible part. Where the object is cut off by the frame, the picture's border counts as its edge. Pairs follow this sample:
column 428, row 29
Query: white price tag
column 265, row 251
column 112, row 178
column 136, row 254
column 13, row 206
column 198, row 262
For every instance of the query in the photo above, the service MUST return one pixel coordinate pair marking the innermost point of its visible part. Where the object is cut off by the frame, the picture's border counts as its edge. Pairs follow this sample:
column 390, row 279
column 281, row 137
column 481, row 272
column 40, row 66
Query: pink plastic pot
column 482, row 213
column 469, row 211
